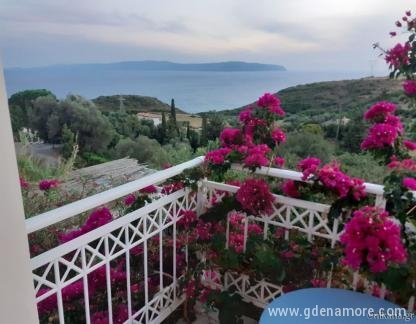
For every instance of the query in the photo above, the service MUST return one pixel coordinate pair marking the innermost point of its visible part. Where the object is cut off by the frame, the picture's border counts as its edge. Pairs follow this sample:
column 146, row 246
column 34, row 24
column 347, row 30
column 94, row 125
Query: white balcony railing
column 81, row 259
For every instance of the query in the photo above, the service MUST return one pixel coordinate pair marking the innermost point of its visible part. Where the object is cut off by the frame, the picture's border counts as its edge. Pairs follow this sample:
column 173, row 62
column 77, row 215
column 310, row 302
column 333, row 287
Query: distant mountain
column 132, row 104
column 231, row 66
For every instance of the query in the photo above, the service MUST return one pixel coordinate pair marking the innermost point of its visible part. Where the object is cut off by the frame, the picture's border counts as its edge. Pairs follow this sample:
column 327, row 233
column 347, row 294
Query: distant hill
column 132, row 104
column 231, row 66
column 322, row 101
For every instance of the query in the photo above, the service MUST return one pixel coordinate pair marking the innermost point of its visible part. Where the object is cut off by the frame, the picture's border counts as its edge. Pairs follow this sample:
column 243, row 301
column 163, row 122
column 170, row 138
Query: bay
column 193, row 91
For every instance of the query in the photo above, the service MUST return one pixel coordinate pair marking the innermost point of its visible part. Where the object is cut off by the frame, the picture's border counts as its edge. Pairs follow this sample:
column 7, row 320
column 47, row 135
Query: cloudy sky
column 300, row 34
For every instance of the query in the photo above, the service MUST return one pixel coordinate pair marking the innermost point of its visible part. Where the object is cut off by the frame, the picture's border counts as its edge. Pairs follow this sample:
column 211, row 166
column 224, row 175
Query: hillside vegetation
column 323, row 101
column 132, row 104
column 319, row 102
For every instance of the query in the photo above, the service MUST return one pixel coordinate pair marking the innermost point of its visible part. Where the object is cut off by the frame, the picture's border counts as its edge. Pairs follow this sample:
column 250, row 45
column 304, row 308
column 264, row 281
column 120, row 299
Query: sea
column 193, row 91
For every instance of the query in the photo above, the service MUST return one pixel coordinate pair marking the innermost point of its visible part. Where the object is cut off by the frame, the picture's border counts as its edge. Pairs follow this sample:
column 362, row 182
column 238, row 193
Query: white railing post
column 17, row 299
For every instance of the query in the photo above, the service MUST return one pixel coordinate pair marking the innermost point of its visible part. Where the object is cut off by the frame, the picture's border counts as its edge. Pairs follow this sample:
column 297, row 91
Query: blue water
column 194, row 91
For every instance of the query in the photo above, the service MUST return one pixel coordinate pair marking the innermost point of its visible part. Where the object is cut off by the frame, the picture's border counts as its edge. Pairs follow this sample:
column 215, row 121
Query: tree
column 204, row 131
column 173, row 110
column 94, row 130
column 54, row 128
column 68, row 141
column 144, row 149
column 312, row 129
column 306, row 144
column 39, row 114
column 172, row 126
column 20, row 103
column 178, row 152
column 215, row 126
column 353, row 134
column 162, row 130
column 192, row 136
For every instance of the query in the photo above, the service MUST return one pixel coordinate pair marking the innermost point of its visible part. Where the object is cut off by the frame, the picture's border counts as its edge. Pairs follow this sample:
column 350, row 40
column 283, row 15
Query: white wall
column 17, row 303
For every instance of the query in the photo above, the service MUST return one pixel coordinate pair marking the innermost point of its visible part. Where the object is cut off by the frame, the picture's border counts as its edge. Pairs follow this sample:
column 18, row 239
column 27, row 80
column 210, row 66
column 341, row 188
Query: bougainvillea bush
column 48, row 191
column 378, row 243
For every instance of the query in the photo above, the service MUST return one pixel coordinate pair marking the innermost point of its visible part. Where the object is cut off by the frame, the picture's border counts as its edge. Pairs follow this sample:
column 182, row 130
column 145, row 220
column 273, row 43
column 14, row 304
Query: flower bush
column 255, row 143
column 46, row 185
column 255, row 197
column 372, row 241
column 73, row 294
column 401, row 59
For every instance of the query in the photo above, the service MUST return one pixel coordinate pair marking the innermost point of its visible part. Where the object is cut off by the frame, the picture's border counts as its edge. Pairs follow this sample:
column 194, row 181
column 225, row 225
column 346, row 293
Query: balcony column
column 17, row 297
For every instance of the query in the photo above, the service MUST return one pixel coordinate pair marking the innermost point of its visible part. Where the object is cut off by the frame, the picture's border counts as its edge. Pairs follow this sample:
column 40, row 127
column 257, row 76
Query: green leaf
column 219, row 211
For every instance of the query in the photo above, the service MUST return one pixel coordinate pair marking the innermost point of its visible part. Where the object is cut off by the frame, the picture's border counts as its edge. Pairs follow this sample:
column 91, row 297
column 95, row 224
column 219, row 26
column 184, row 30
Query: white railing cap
column 371, row 188
column 59, row 214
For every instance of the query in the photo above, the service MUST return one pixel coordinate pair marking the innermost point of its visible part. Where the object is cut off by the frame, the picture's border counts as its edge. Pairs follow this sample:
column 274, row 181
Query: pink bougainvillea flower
column 272, row 103
column 334, row 179
column 308, row 166
column 217, row 157
column 255, row 197
column 172, row 187
column 256, row 156
column 23, row 183
column 259, row 149
column 409, row 183
column 255, row 161
column 395, row 122
column 278, row 136
column 411, row 146
column 121, row 314
column 318, row 283
column 236, row 241
column 371, row 239
column 279, row 161
column 380, row 110
column 230, row 137
column 190, row 289
column 398, row 55
column 236, row 218
column 100, row 318
column 289, row 254
column 203, row 230
column 254, row 229
column 129, row 200
column 135, row 288
column 50, row 184
column 405, row 165
column 137, row 250
column 97, row 218
column 290, row 189
column 246, row 115
column 357, row 189
column 187, row 218
column 380, row 136
column 148, row 190
column 409, row 88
